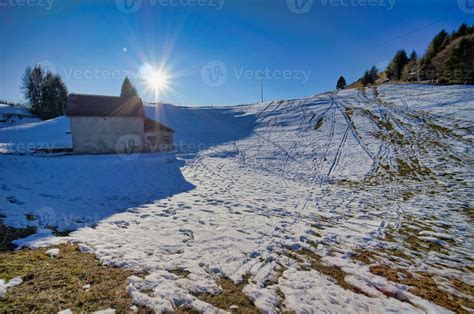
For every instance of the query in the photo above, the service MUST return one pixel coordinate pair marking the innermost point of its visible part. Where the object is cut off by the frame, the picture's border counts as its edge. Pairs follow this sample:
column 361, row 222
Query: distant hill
column 462, row 70
column 449, row 59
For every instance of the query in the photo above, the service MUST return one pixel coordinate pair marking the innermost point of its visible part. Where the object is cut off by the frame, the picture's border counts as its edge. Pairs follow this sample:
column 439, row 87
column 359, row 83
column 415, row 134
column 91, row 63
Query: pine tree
column 439, row 42
column 33, row 81
column 128, row 90
column 341, row 83
column 462, row 31
column 374, row 74
column 54, row 95
column 395, row 68
column 46, row 92
column 367, row 79
column 459, row 67
column 413, row 56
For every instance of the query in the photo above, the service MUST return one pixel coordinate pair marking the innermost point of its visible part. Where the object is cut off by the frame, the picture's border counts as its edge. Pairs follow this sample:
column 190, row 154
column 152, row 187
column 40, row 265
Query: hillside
column 464, row 73
column 449, row 59
column 349, row 201
column 14, row 115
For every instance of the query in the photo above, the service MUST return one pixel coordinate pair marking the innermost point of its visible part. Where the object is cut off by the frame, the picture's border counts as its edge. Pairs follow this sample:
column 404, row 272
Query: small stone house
column 110, row 125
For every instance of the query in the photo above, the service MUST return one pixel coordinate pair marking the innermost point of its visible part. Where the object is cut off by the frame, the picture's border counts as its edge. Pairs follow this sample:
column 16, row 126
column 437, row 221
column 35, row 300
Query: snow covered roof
column 104, row 106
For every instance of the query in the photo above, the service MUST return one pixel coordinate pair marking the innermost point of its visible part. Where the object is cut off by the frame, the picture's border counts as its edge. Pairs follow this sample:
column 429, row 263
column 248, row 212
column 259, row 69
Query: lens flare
column 157, row 80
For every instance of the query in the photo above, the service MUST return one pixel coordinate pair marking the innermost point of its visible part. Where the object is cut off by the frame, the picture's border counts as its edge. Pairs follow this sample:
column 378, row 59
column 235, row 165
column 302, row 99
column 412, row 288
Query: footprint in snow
column 12, row 199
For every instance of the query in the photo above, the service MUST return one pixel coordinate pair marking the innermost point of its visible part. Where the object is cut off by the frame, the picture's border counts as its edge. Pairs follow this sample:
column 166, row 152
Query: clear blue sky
column 92, row 44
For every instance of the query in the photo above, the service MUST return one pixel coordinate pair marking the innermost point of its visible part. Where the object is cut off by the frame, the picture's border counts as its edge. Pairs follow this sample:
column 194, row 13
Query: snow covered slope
column 26, row 138
column 203, row 126
column 305, row 197
column 14, row 115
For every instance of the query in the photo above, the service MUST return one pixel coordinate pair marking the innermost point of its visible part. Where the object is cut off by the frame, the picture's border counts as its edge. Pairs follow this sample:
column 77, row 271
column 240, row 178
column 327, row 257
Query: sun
column 157, row 80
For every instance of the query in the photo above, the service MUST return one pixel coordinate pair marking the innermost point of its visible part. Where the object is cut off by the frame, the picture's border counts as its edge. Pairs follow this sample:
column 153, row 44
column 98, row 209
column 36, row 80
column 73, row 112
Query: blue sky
column 212, row 50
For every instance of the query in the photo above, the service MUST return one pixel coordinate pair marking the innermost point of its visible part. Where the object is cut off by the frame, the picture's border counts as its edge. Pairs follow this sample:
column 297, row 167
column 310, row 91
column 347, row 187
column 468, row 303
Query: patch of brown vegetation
column 328, row 270
column 319, row 124
column 54, row 284
column 231, row 295
column 384, row 271
column 185, row 310
column 423, row 285
column 363, row 256
column 180, row 272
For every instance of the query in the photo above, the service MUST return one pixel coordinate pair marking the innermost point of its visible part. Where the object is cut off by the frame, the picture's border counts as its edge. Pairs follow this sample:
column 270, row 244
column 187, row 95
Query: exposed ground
column 52, row 284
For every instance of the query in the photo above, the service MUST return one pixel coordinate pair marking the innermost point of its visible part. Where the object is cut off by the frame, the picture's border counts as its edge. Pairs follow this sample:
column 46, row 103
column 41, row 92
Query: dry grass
column 54, row 284
column 232, row 295
column 331, row 271
column 319, row 124
column 423, row 285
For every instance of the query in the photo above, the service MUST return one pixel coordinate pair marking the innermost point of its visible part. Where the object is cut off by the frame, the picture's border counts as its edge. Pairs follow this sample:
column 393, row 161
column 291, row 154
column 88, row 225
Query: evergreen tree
column 395, row 68
column 413, row 56
column 54, row 95
column 32, row 86
column 46, row 92
column 374, row 74
column 462, row 31
column 459, row 67
column 341, row 83
column 128, row 90
column 367, row 79
column 439, row 42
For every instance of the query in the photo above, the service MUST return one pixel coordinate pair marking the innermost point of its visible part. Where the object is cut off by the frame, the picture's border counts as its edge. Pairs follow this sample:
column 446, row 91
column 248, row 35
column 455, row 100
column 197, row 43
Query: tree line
column 448, row 60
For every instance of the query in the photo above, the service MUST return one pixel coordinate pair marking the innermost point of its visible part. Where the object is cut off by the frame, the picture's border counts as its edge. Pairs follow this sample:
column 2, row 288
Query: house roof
column 104, row 106
column 152, row 125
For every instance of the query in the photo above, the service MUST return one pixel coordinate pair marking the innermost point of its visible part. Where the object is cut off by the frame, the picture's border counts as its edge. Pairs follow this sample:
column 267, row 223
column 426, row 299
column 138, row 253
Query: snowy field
column 266, row 193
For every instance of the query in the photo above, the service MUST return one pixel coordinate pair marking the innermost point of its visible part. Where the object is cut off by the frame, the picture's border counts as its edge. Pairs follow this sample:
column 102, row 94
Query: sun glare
column 157, row 80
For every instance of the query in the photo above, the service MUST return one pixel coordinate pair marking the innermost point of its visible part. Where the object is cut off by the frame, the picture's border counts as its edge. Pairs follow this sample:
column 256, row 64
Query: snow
column 14, row 115
column 199, row 128
column 106, row 311
column 28, row 137
column 252, row 185
column 52, row 252
column 5, row 285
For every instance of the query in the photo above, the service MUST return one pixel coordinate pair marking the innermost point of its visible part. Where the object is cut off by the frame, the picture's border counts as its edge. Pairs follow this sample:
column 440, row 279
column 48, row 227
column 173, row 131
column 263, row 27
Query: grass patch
column 54, row 284
column 423, row 285
column 363, row 256
column 232, row 295
column 180, row 272
column 328, row 270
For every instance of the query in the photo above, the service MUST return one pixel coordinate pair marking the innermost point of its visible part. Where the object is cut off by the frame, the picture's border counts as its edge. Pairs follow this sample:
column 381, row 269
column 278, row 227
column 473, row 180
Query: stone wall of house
column 107, row 135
